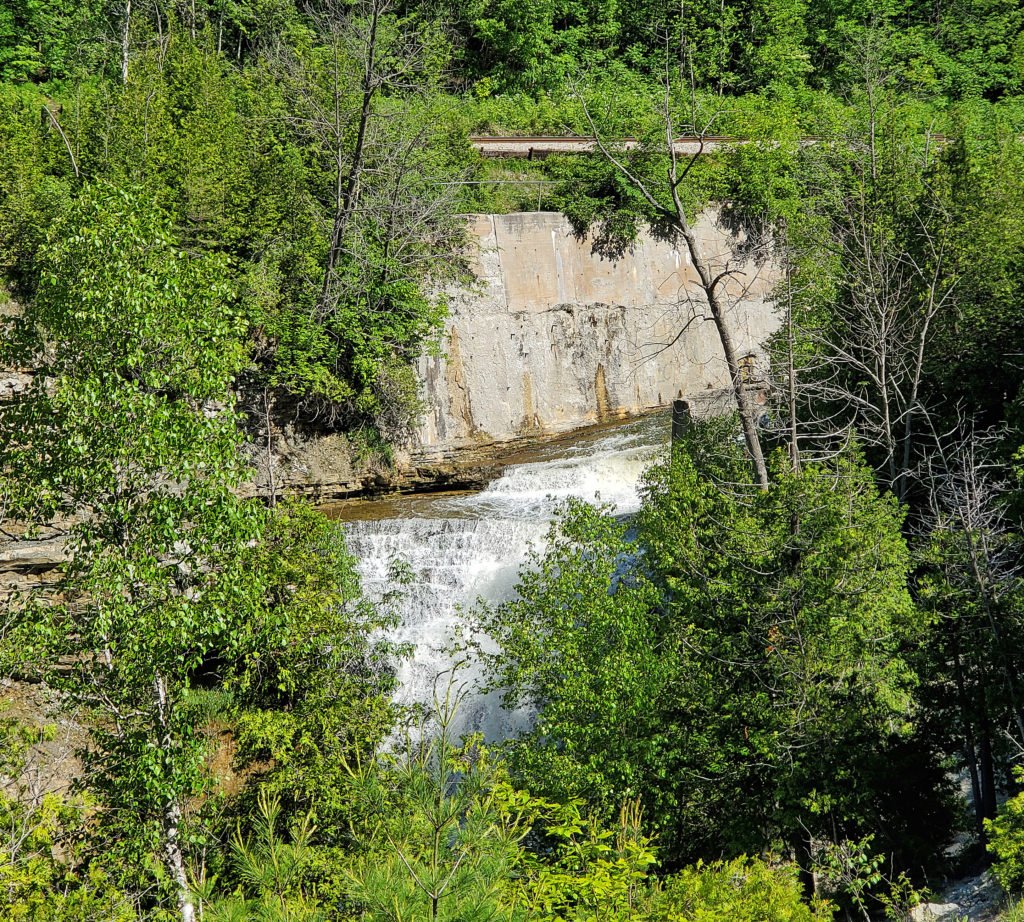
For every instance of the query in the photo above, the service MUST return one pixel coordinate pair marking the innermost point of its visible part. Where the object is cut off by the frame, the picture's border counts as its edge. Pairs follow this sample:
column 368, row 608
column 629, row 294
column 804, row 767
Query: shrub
column 1006, row 842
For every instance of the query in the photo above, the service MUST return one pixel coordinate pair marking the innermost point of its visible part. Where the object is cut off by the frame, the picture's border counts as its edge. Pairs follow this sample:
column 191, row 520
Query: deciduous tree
column 128, row 437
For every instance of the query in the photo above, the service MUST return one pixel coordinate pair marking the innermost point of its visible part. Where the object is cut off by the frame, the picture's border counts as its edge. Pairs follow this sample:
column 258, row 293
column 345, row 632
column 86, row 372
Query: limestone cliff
column 552, row 337
column 548, row 339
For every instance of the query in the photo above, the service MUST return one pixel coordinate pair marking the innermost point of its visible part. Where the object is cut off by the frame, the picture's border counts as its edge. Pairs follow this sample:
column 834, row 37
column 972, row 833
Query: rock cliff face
column 553, row 337
column 550, row 338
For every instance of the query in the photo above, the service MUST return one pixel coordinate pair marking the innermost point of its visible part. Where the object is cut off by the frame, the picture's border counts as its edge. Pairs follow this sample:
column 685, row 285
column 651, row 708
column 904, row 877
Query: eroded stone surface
column 972, row 899
column 553, row 337
column 550, row 339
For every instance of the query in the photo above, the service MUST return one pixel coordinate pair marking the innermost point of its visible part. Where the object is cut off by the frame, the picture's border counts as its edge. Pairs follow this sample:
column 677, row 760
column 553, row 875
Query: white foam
column 473, row 546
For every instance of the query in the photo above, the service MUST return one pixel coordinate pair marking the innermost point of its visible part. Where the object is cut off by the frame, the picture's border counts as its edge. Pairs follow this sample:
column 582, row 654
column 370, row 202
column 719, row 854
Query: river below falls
column 463, row 547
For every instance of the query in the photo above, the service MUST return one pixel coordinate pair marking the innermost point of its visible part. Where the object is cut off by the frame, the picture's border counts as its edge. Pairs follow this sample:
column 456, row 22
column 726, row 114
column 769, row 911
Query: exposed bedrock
column 552, row 337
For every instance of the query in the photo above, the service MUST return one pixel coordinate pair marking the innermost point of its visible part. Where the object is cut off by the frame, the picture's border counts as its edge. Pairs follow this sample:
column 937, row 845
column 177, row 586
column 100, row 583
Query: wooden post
column 681, row 419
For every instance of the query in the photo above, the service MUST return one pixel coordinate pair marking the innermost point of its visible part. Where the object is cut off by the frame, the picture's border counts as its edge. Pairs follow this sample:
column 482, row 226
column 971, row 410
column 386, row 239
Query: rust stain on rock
column 604, row 403
column 455, row 375
column 531, row 421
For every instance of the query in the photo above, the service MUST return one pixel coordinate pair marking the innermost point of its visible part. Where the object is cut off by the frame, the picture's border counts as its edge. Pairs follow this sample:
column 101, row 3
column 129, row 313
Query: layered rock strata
column 552, row 337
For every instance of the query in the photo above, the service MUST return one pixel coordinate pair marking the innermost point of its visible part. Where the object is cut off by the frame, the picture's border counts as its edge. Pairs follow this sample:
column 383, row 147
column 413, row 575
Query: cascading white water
column 472, row 546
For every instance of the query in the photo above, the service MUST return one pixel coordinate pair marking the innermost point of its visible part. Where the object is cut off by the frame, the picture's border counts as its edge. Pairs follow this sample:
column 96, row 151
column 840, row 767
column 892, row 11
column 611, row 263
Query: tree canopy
column 761, row 697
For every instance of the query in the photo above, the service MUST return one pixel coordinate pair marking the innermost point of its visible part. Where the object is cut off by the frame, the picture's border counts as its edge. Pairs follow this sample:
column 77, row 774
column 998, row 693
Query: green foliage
column 39, row 38
column 242, row 198
column 246, row 169
column 35, row 180
column 382, row 175
column 599, row 198
column 441, row 833
column 311, row 692
column 270, row 868
column 592, row 661
column 742, row 643
column 855, row 875
column 743, row 46
column 796, row 602
column 131, row 340
column 174, row 582
column 43, row 877
column 127, row 301
column 594, row 872
column 731, row 47
column 39, row 879
column 744, row 889
column 135, row 347
column 984, row 174
column 1006, row 843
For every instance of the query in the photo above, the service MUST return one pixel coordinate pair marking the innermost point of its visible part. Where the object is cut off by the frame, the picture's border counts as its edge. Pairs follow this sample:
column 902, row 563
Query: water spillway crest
column 469, row 547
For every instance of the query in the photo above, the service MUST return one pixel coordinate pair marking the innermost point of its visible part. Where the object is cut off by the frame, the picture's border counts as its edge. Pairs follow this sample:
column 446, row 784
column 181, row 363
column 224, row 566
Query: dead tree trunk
column 744, row 403
column 125, row 40
column 970, row 745
column 711, row 283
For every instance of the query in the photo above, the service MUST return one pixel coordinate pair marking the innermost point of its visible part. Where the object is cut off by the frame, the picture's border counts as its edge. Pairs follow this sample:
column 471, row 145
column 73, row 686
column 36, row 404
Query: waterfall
column 472, row 546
